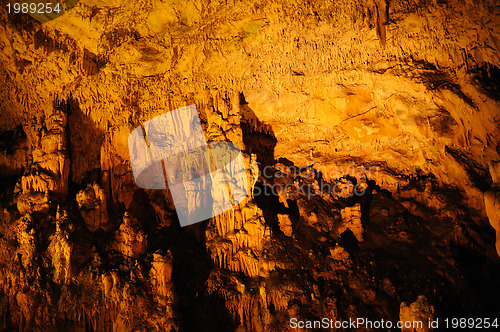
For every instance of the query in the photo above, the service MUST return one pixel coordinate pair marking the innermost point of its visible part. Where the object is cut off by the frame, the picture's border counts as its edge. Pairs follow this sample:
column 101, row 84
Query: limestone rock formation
column 368, row 130
column 285, row 224
column 48, row 173
column 14, row 152
column 161, row 276
column 130, row 239
column 61, row 250
column 33, row 201
column 50, row 156
column 93, row 207
column 418, row 311
column 236, row 240
column 351, row 219
column 26, row 238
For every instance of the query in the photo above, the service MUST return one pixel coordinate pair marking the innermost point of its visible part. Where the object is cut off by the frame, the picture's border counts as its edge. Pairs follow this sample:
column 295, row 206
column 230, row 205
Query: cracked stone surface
column 370, row 136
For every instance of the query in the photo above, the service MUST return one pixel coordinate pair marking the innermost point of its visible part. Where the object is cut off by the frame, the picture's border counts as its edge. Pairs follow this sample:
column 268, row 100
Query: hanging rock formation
column 48, row 173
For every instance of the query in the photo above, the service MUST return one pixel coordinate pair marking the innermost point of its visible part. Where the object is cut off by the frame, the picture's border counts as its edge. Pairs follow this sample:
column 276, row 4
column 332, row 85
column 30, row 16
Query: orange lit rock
column 408, row 91
column 50, row 154
column 31, row 202
column 285, row 224
column 48, row 173
column 130, row 239
column 351, row 219
column 93, row 207
column 492, row 202
column 61, row 250
column 26, row 238
column 161, row 275
column 418, row 311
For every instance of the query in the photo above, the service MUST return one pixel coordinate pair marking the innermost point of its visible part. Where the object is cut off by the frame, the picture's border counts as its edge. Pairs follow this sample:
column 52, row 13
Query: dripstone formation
column 370, row 137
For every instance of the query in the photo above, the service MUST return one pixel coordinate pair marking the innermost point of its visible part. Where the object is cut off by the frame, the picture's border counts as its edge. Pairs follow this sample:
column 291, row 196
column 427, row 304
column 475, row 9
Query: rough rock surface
column 367, row 130
column 418, row 311
column 93, row 207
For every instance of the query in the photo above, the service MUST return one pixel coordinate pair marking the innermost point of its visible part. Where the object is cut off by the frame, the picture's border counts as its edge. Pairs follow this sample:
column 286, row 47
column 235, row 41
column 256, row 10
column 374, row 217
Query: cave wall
column 411, row 87
column 428, row 83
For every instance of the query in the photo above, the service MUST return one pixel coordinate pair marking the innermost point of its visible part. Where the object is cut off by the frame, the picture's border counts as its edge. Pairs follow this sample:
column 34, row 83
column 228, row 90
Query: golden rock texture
column 370, row 135
column 351, row 219
column 61, row 251
column 418, row 311
column 93, row 207
column 130, row 239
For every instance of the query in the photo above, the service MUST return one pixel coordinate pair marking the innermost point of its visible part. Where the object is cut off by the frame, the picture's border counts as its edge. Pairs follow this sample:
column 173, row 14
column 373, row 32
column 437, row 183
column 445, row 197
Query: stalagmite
column 492, row 202
column 398, row 97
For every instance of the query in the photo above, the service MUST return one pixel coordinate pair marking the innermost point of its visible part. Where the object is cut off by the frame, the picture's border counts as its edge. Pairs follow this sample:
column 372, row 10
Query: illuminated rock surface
column 374, row 125
column 93, row 207
column 419, row 310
